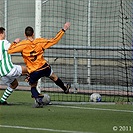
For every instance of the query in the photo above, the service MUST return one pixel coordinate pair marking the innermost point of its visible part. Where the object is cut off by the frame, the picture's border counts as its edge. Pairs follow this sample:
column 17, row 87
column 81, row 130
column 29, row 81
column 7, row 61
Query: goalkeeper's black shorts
column 44, row 71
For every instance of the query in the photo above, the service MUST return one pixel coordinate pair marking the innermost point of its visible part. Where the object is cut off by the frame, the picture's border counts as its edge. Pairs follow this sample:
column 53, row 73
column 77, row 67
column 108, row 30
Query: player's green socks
column 6, row 94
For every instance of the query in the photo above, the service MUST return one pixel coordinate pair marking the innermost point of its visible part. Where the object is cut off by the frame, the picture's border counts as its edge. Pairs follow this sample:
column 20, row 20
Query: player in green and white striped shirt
column 8, row 71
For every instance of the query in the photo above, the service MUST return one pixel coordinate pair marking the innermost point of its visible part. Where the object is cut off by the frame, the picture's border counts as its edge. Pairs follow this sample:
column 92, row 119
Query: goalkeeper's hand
column 27, row 78
column 17, row 40
column 66, row 26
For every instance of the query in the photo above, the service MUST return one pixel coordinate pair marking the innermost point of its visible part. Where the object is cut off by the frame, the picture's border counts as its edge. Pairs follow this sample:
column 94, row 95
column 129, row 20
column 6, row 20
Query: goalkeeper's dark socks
column 6, row 94
column 59, row 83
column 34, row 92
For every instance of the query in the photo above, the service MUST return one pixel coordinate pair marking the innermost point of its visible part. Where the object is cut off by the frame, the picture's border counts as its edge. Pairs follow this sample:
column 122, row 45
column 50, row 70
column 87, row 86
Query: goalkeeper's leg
column 59, row 83
column 38, row 97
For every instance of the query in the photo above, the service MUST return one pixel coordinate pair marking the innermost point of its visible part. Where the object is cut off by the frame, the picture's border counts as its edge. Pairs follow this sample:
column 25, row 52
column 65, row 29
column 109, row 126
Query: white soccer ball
column 46, row 99
column 95, row 97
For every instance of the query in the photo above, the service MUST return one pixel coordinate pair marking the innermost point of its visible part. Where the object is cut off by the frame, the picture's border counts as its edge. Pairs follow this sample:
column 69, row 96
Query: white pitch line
column 113, row 110
column 42, row 129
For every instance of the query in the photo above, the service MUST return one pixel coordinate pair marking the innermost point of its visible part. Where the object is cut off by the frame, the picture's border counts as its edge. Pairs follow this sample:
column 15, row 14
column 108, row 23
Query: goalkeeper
column 32, row 51
column 8, row 71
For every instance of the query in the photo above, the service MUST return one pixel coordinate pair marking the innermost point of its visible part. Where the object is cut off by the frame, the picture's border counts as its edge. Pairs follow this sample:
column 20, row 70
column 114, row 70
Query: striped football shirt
column 5, row 59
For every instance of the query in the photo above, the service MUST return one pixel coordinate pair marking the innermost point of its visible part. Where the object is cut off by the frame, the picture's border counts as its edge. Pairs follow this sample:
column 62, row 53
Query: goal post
column 89, row 41
column 38, row 10
column 5, row 15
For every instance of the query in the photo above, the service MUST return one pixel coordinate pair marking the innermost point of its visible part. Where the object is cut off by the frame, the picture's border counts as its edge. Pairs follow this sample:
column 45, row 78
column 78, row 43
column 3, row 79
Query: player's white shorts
column 12, row 75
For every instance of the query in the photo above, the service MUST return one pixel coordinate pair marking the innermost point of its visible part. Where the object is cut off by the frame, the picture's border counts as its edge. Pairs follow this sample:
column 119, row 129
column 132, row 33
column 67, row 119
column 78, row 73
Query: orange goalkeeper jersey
column 32, row 51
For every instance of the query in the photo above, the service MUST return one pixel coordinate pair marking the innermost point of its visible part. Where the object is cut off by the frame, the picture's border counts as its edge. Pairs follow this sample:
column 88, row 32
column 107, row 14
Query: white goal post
column 38, row 8
column 89, row 61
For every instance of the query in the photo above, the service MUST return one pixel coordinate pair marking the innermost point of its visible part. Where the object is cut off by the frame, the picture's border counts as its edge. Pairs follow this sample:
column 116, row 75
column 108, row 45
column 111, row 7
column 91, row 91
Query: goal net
column 94, row 55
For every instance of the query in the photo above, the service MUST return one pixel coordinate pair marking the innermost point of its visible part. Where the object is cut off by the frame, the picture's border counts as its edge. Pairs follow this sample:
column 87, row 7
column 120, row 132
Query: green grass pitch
column 21, row 117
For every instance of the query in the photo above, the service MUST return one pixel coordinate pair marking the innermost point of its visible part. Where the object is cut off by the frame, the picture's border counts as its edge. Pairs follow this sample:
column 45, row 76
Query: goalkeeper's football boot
column 68, row 86
column 39, row 102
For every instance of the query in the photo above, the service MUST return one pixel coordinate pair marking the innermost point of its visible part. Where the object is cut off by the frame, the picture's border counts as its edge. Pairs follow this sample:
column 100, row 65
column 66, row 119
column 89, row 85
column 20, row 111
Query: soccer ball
column 95, row 97
column 46, row 99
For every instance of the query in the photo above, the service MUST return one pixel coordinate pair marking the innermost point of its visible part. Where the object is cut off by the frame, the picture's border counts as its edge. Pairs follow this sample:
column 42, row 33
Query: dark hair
column 2, row 30
column 29, row 31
